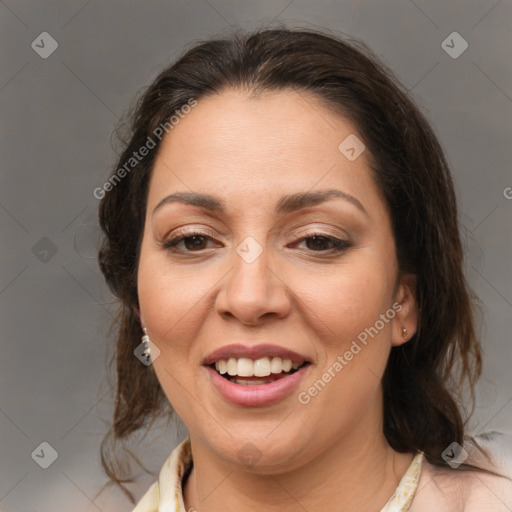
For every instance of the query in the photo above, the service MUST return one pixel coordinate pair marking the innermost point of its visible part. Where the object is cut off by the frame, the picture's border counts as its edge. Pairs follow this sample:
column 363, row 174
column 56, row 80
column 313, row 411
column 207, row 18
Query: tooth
column 276, row 365
column 232, row 366
column 262, row 367
column 245, row 367
column 287, row 365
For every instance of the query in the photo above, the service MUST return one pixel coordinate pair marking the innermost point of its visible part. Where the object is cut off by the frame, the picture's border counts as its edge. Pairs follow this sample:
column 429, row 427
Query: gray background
column 57, row 118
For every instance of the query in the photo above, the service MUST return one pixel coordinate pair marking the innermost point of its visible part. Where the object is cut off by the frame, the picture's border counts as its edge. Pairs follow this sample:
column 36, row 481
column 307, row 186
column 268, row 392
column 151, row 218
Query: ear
column 405, row 322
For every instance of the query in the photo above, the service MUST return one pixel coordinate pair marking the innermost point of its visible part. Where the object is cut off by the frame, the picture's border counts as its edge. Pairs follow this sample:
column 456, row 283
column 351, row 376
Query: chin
column 265, row 454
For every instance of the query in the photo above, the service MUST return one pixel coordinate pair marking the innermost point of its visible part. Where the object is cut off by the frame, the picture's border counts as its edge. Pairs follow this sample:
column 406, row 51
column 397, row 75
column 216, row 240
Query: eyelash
column 339, row 245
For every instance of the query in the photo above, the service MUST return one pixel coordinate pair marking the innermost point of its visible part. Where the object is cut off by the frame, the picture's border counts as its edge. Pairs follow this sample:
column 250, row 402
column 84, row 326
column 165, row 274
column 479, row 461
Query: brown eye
column 194, row 242
column 322, row 243
column 191, row 242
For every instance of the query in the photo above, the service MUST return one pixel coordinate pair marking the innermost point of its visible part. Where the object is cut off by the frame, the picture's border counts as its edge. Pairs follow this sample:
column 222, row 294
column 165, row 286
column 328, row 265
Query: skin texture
column 297, row 294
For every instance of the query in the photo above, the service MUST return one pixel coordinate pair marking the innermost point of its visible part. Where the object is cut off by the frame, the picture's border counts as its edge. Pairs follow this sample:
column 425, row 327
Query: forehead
column 236, row 124
column 242, row 146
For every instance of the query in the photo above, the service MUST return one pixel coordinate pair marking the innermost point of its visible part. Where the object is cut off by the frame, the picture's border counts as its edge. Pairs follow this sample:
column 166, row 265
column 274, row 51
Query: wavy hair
column 427, row 378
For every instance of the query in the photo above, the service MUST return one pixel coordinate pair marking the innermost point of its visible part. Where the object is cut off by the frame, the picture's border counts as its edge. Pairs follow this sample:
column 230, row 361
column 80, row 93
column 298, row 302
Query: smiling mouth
column 248, row 372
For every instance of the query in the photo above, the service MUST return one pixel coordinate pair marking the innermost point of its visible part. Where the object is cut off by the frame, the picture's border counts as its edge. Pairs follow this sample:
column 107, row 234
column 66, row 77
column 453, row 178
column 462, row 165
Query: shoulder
column 166, row 492
column 486, row 487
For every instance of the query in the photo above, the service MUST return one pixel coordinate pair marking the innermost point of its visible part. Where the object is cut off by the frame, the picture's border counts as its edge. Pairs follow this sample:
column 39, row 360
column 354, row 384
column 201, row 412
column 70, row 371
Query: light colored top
column 423, row 488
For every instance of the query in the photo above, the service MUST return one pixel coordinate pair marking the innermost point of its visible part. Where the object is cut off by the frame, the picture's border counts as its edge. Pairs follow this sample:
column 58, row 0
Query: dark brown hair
column 423, row 381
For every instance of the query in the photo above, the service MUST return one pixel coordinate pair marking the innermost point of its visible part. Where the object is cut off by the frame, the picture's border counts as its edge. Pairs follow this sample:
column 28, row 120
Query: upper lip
column 255, row 352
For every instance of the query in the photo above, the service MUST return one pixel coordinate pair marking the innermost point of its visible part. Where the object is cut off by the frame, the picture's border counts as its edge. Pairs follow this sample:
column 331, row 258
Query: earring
column 147, row 349
column 405, row 332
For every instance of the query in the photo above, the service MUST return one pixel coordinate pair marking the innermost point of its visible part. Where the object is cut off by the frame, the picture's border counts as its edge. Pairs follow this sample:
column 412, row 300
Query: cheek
column 159, row 298
column 357, row 344
column 172, row 303
column 169, row 302
column 354, row 345
column 348, row 300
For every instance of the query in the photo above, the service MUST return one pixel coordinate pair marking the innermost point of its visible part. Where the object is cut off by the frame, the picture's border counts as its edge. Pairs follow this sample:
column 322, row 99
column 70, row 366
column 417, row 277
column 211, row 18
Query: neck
column 346, row 477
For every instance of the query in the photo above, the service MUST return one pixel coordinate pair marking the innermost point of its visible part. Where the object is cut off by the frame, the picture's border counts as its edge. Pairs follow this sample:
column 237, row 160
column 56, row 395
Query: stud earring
column 147, row 349
column 405, row 332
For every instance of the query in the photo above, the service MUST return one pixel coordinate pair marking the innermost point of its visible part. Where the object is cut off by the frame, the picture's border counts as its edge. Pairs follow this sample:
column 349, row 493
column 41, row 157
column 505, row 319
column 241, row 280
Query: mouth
column 248, row 372
column 255, row 376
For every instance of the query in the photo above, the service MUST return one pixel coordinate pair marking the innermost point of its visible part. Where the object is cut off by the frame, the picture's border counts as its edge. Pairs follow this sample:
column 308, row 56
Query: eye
column 318, row 242
column 192, row 241
column 197, row 241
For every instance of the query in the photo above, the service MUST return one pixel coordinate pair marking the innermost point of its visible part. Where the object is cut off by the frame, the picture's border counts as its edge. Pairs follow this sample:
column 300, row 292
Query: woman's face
column 279, row 248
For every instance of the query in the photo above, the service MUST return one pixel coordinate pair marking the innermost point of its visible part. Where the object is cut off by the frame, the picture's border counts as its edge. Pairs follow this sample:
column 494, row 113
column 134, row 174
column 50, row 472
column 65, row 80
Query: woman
column 281, row 231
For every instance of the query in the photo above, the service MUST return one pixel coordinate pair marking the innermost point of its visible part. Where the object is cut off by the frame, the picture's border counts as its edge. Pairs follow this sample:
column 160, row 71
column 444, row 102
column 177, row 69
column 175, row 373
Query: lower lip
column 256, row 395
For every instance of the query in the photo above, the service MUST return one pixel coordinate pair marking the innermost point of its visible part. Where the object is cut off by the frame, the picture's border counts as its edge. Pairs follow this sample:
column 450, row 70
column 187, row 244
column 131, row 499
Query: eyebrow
column 287, row 204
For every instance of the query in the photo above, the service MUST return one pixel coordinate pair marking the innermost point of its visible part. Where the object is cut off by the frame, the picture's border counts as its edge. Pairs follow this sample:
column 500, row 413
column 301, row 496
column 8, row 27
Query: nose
column 252, row 291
